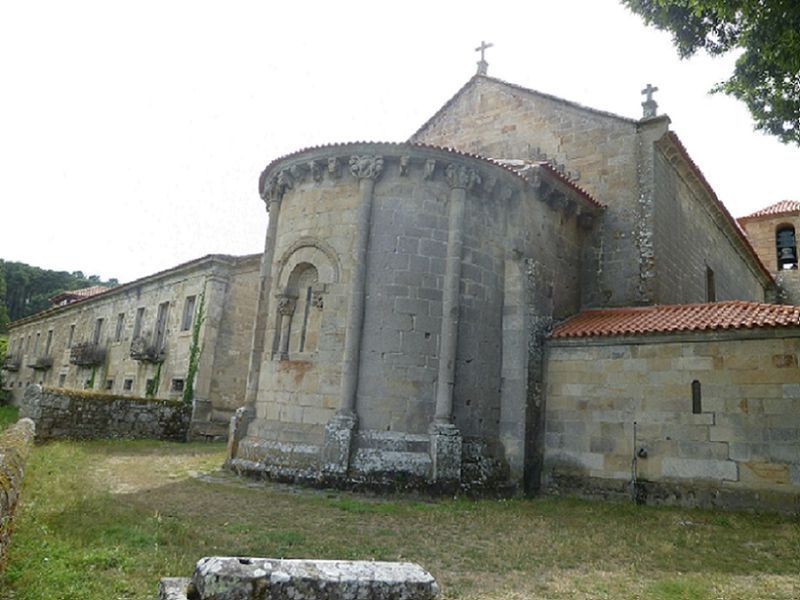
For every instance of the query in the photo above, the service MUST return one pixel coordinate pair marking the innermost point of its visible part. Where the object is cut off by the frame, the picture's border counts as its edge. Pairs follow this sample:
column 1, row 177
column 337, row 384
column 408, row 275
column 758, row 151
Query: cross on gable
column 648, row 90
column 482, row 64
column 649, row 105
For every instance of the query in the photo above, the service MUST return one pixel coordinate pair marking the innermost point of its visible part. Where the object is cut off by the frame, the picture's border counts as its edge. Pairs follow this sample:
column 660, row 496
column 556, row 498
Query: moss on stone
column 102, row 396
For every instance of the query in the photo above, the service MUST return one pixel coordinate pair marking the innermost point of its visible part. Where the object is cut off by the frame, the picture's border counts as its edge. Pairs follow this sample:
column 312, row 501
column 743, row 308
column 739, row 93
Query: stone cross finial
column 483, row 66
column 649, row 105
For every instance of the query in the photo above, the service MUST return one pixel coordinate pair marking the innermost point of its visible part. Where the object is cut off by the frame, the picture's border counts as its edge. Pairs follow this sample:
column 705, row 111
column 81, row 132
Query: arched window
column 786, row 247
column 298, row 312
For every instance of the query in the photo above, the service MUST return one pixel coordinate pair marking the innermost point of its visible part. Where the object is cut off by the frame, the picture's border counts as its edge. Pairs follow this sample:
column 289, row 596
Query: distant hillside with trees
column 25, row 290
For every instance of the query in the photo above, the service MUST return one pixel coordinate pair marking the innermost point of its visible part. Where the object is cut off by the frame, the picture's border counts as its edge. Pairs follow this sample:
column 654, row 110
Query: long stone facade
column 135, row 340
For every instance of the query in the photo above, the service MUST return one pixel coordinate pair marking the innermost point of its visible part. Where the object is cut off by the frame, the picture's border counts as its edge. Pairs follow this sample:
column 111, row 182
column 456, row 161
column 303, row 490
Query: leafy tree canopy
column 767, row 74
column 25, row 290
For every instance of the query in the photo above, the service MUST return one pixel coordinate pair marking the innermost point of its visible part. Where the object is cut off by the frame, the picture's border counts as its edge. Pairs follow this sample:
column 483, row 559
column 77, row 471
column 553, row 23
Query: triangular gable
column 517, row 88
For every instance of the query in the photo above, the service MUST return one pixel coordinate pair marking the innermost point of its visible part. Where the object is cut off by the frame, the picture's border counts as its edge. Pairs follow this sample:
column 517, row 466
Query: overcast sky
column 132, row 134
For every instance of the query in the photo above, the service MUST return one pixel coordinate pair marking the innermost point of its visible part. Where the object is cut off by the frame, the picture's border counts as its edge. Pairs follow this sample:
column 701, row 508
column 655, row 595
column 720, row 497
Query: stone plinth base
column 240, row 421
column 445, row 452
column 339, row 431
column 224, row 578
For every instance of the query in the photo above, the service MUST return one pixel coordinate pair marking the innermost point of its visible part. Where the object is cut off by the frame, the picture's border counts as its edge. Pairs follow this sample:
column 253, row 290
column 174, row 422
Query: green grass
column 8, row 416
column 107, row 519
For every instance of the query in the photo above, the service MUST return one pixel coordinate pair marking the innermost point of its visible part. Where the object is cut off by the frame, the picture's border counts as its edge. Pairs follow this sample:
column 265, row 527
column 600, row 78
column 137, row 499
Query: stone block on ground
column 236, row 578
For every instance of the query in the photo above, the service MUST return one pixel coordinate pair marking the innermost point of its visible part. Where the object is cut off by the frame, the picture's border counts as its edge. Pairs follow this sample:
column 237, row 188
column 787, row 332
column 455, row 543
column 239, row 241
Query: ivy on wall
column 195, row 349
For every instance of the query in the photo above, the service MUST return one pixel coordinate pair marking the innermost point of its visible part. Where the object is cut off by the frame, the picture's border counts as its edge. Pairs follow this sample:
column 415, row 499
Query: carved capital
column 461, row 176
column 366, row 167
column 276, row 186
column 286, row 304
column 317, row 300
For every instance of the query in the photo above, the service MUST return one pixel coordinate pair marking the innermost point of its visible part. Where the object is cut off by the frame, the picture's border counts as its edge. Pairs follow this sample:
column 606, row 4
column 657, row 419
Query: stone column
column 215, row 289
column 445, row 444
column 339, row 430
column 286, row 306
column 272, row 191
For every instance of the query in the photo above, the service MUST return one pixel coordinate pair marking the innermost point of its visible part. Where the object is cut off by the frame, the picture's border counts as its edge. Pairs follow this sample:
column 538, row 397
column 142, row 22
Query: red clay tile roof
column 735, row 314
column 80, row 294
column 779, row 208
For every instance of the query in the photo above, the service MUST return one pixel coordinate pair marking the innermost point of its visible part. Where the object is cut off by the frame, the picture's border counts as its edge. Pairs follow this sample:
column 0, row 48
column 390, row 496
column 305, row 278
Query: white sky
column 132, row 134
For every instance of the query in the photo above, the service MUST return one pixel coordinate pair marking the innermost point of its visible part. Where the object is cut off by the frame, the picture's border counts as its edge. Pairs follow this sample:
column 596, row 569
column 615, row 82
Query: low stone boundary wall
column 15, row 444
column 84, row 415
column 230, row 578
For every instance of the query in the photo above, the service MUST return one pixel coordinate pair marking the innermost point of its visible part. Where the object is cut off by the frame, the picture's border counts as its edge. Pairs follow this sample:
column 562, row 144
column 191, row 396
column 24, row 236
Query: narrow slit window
column 711, row 286
column 697, row 401
column 120, row 325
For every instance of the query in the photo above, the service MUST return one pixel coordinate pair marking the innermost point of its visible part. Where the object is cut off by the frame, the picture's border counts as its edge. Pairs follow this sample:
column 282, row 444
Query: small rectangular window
column 177, row 385
column 109, row 384
column 137, row 323
column 98, row 330
column 71, row 336
column 188, row 313
column 120, row 324
column 127, row 385
column 62, row 379
column 36, row 343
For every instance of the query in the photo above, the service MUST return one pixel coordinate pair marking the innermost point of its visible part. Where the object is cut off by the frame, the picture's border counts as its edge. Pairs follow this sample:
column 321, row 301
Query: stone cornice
column 480, row 176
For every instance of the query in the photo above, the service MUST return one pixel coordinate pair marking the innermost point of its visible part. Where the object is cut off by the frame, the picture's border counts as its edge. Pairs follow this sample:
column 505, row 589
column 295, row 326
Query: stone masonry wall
column 740, row 447
column 15, row 444
column 761, row 232
column 687, row 241
column 69, row 414
column 495, row 119
column 230, row 286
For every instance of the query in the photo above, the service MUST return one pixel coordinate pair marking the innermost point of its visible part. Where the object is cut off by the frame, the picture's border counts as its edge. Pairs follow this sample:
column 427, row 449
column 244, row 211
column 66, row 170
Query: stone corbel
column 299, row 172
column 334, row 167
column 429, row 170
column 315, row 168
column 405, row 161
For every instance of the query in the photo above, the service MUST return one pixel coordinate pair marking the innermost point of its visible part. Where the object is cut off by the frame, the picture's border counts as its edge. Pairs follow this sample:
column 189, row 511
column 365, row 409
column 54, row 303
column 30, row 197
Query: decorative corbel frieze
column 461, row 176
column 276, row 186
column 366, row 166
column 299, row 172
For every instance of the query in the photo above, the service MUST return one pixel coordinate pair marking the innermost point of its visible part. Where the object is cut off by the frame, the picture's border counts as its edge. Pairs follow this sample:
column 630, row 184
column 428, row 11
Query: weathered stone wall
column 740, row 449
column 513, row 235
column 761, row 232
column 230, row 286
column 15, row 444
column 71, row 414
column 689, row 237
column 492, row 118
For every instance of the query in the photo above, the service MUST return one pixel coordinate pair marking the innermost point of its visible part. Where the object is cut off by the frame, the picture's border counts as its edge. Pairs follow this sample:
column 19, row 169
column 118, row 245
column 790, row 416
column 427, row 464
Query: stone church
column 527, row 294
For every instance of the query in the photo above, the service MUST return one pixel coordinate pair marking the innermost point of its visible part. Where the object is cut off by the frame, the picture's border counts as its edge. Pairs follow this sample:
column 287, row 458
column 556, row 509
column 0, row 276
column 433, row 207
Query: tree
column 767, row 74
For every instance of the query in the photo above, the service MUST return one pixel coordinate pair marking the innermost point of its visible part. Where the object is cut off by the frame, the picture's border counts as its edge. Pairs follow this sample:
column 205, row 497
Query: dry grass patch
column 106, row 520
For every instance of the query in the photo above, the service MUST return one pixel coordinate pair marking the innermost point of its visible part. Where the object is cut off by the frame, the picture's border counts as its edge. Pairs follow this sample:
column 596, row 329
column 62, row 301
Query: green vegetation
column 25, row 290
column 767, row 35
column 105, row 520
column 3, row 351
column 8, row 416
column 152, row 385
column 195, row 350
